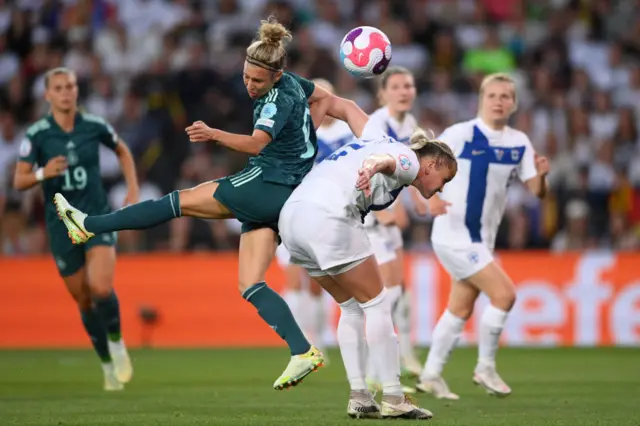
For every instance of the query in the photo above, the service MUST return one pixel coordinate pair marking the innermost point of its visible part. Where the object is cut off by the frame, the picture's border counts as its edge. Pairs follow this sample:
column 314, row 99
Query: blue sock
column 276, row 313
column 146, row 214
column 109, row 310
column 96, row 331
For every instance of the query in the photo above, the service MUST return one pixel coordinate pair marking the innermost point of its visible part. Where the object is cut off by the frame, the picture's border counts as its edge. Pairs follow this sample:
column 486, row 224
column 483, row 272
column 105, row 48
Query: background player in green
column 65, row 147
column 283, row 145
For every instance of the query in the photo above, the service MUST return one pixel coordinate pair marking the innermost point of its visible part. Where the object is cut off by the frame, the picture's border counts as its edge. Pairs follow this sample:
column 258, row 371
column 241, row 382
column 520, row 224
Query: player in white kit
column 304, row 296
column 397, row 94
column 490, row 154
column 321, row 225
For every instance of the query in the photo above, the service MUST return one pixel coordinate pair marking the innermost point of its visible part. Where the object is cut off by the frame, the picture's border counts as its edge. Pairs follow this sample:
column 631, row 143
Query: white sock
column 491, row 325
column 108, row 367
column 295, row 299
column 402, row 321
column 445, row 337
column 352, row 342
column 383, row 343
column 316, row 318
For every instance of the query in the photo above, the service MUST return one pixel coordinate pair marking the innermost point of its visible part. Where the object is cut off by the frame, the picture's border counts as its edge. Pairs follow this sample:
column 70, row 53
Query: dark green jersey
column 284, row 114
column 81, row 183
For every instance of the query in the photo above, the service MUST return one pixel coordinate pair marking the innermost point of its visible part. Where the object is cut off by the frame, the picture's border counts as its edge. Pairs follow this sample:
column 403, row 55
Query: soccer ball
column 365, row 52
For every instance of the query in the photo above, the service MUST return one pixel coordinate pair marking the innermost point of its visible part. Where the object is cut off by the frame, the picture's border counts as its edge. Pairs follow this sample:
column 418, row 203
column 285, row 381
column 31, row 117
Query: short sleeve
column 527, row 168
column 108, row 136
column 455, row 137
column 308, row 86
column 273, row 116
column 407, row 163
column 27, row 151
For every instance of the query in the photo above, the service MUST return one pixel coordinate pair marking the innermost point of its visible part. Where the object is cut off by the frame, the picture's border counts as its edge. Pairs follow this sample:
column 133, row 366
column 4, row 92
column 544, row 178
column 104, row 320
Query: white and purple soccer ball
column 365, row 52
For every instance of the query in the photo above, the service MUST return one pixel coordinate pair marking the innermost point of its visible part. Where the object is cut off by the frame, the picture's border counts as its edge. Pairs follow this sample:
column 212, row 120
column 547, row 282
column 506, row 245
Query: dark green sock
column 96, row 331
column 109, row 310
column 276, row 313
column 146, row 214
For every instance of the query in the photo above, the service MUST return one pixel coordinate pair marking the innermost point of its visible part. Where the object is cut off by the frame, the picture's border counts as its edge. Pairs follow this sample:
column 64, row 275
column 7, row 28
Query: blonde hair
column 499, row 77
column 425, row 144
column 268, row 49
column 57, row 71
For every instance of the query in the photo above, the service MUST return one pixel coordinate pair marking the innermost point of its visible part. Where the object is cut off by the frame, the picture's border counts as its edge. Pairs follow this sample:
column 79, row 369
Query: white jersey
column 331, row 183
column 386, row 124
column 332, row 137
column 487, row 161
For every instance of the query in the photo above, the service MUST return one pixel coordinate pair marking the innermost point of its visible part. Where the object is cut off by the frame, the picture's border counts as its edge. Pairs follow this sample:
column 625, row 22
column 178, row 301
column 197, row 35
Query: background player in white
column 490, row 154
column 397, row 95
column 321, row 225
column 305, row 297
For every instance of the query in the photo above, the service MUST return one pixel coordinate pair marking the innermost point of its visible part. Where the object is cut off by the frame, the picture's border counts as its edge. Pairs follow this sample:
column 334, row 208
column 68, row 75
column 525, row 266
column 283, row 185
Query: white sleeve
column 455, row 136
column 527, row 168
column 373, row 130
column 407, row 163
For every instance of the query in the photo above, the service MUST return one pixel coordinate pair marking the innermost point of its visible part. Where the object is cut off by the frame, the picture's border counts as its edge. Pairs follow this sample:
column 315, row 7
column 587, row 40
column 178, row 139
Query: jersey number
column 306, row 130
column 344, row 151
column 75, row 181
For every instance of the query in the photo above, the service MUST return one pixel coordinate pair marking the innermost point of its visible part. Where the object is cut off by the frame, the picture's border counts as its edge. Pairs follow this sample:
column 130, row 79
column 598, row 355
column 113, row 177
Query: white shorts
column 463, row 262
column 283, row 256
column 381, row 243
column 321, row 241
column 394, row 235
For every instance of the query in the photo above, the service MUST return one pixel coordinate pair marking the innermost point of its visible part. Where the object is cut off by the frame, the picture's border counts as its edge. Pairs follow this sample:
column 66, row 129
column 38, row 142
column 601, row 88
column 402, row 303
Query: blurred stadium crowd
column 150, row 67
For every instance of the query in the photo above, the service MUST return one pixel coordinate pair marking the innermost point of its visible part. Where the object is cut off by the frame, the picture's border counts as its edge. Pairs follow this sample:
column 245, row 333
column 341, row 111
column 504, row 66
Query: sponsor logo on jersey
column 268, row 110
column 405, row 163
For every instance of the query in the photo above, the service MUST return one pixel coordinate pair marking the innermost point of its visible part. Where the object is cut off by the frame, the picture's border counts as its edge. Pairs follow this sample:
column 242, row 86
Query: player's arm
column 25, row 177
column 325, row 103
column 249, row 144
column 533, row 171
column 128, row 167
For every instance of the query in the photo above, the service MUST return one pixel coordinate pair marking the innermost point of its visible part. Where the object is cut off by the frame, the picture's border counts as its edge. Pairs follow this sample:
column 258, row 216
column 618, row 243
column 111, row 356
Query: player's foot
column 362, row 405
column 111, row 382
column 73, row 220
column 299, row 367
column 123, row 368
column 437, row 387
column 401, row 407
column 487, row 377
column 411, row 366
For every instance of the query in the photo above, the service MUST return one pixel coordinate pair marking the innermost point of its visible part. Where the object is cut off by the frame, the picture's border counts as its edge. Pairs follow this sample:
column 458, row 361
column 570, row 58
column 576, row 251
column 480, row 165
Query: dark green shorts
column 70, row 257
column 254, row 202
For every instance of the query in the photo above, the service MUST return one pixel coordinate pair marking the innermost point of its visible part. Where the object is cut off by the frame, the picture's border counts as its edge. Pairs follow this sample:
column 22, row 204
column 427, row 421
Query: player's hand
column 55, row 167
column 200, row 132
column 133, row 196
column 364, row 178
column 437, row 206
column 542, row 165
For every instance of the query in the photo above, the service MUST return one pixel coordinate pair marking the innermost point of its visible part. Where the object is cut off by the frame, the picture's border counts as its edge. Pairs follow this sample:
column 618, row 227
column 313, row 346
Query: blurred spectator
column 152, row 66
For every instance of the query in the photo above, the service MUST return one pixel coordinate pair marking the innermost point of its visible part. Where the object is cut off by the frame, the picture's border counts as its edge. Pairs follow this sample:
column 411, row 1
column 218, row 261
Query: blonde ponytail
column 268, row 50
column 425, row 144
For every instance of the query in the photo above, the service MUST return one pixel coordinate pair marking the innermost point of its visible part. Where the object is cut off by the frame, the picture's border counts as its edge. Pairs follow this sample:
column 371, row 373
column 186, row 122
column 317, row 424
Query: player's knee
column 244, row 285
column 503, row 298
column 101, row 288
column 461, row 310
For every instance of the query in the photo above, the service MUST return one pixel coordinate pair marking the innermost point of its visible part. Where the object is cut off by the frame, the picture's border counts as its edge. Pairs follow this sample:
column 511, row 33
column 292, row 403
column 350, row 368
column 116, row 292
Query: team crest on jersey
column 405, row 163
column 515, row 155
column 268, row 110
column 499, row 154
column 25, row 147
column 72, row 157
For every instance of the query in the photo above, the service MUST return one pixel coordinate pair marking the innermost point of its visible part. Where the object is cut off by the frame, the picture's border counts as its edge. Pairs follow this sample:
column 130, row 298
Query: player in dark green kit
column 65, row 146
column 283, row 145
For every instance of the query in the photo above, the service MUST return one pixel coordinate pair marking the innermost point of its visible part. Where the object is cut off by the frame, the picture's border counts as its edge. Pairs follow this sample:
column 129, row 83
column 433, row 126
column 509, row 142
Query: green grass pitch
column 574, row 387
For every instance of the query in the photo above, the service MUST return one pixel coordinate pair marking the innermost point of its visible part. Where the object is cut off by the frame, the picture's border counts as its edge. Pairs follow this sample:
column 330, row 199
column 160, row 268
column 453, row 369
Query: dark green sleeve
column 28, row 151
column 108, row 136
column 308, row 86
column 274, row 115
